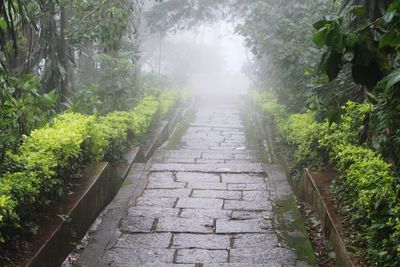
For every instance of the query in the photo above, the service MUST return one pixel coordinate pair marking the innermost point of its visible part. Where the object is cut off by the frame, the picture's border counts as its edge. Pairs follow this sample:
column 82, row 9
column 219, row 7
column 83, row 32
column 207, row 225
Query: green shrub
column 55, row 154
column 300, row 132
column 303, row 132
column 20, row 193
column 142, row 117
column 273, row 111
column 349, row 130
column 114, row 129
column 369, row 194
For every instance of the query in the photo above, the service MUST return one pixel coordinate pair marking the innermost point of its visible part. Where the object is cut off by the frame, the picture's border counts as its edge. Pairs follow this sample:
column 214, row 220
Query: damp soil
column 322, row 248
column 323, row 180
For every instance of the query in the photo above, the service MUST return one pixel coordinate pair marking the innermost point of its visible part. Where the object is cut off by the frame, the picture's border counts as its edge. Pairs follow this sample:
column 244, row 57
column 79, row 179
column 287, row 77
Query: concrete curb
column 308, row 191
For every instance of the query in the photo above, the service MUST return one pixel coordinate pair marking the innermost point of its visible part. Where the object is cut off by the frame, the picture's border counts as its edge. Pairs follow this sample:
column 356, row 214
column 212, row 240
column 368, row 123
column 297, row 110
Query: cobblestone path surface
column 208, row 203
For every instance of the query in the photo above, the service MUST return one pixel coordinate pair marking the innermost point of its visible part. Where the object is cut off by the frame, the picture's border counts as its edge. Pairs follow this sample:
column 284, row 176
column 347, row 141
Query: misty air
column 199, row 133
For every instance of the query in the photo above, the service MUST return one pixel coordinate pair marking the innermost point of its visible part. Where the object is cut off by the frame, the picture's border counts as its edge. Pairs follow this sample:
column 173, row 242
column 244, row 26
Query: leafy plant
column 51, row 158
column 22, row 109
column 367, row 189
column 303, row 132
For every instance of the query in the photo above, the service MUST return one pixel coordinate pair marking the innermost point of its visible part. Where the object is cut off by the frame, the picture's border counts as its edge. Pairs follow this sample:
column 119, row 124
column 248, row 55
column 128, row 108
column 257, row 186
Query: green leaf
column 334, row 39
column 358, row 11
column 333, row 116
column 392, row 79
column 320, row 24
column 394, row 6
column 351, row 40
column 3, row 24
column 372, row 98
column 333, row 65
column 390, row 39
column 320, row 37
column 322, row 64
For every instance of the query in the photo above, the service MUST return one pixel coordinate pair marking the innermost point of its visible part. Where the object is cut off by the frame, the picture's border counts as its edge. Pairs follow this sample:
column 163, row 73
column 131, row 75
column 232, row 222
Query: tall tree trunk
column 62, row 50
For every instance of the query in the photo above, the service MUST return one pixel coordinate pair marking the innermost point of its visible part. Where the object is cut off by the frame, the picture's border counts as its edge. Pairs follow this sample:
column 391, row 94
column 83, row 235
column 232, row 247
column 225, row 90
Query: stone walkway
column 208, row 203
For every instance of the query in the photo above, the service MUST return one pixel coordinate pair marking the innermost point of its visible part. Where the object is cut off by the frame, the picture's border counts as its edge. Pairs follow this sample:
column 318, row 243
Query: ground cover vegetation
column 327, row 76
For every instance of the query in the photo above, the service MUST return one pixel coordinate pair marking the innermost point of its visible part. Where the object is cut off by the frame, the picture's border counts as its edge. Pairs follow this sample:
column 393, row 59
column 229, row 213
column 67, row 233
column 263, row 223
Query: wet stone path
column 208, row 203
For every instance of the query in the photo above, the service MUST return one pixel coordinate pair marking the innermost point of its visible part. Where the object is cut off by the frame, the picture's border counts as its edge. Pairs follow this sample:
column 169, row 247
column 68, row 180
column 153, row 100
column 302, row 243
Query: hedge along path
column 367, row 190
column 52, row 157
column 207, row 202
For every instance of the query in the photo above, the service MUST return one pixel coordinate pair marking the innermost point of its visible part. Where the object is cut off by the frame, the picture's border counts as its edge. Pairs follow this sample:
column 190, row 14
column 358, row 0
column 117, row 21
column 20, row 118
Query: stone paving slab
column 167, row 185
column 247, row 205
column 210, row 161
column 260, row 196
column 211, row 186
column 260, row 255
column 152, row 212
column 161, row 177
column 245, row 215
column 166, row 193
column 270, row 264
column 265, row 241
column 223, row 194
column 209, row 168
column 206, row 213
column 164, row 202
column 185, row 225
column 248, row 187
column 199, row 203
column 242, row 178
column 201, row 256
column 224, row 226
column 208, row 203
column 193, row 177
column 190, row 241
column 139, row 255
column 149, row 265
column 144, row 240
column 137, row 224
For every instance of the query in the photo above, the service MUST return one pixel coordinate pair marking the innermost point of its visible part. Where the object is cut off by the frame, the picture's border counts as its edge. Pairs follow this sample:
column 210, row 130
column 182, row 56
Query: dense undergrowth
column 367, row 190
column 52, row 158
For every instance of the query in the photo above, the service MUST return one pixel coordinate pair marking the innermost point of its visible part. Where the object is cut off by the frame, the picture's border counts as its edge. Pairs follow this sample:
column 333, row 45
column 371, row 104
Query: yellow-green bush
column 368, row 192
column 52, row 156
column 142, row 116
column 303, row 132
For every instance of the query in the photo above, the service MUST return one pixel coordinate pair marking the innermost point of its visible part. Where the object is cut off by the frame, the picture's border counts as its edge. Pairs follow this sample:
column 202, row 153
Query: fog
column 207, row 60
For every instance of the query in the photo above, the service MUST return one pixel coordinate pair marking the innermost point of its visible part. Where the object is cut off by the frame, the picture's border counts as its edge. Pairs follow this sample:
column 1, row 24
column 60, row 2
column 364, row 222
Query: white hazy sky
column 220, row 34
